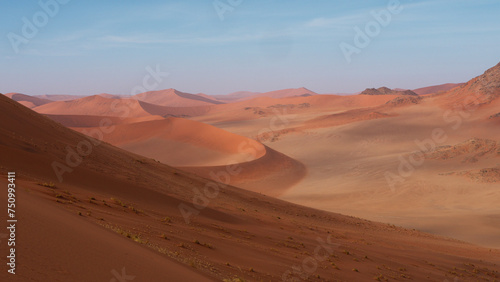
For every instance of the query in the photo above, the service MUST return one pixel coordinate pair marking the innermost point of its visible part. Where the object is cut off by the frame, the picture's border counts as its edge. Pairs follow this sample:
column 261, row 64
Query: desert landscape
column 253, row 158
column 156, row 174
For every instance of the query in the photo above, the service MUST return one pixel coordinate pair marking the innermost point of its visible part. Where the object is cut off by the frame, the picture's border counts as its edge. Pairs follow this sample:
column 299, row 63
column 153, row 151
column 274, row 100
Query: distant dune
column 436, row 88
column 284, row 93
column 96, row 106
column 235, row 96
column 28, row 101
column 55, row 97
column 83, row 121
column 174, row 98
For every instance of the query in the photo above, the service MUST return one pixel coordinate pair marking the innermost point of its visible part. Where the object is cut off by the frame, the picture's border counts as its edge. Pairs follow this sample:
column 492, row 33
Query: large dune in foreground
column 127, row 205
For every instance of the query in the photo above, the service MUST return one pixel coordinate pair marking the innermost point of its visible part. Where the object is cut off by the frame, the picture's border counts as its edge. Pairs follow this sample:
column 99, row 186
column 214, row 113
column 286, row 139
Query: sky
column 217, row 47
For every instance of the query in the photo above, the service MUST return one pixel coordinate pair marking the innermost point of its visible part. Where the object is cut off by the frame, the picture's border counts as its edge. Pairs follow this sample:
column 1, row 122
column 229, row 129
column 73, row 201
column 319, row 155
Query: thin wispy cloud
column 336, row 22
column 162, row 39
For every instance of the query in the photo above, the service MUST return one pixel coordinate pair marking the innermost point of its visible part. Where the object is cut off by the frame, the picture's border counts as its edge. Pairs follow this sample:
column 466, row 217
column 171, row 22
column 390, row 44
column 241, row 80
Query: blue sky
column 91, row 47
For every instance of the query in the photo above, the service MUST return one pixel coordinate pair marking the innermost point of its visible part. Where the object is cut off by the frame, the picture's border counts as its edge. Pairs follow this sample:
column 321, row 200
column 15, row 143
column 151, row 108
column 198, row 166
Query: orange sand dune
column 181, row 142
column 55, row 97
column 176, row 111
column 97, row 121
column 95, row 106
column 174, row 98
column 210, row 97
column 121, row 212
column 345, row 118
column 271, row 174
column 283, row 93
column 27, row 104
column 111, row 96
column 286, row 93
column 436, row 88
column 239, row 95
column 320, row 120
column 28, row 101
column 306, row 106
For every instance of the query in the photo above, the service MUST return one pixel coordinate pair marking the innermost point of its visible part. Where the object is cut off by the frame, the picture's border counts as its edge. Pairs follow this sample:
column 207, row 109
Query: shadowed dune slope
column 75, row 249
column 95, row 106
column 174, row 98
column 271, row 174
column 96, row 121
column 55, row 97
column 28, row 101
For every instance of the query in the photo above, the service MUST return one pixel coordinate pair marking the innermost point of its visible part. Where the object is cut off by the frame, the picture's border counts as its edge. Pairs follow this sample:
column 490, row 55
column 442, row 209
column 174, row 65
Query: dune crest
column 173, row 98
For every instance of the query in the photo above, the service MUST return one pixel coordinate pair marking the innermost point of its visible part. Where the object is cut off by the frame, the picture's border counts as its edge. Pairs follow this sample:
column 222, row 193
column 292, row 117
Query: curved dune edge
column 76, row 121
column 173, row 141
column 272, row 174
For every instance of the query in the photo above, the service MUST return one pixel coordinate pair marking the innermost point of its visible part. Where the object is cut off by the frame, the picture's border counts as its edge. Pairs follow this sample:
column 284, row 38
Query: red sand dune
column 96, row 121
column 271, row 174
column 286, row 93
column 174, row 98
column 181, row 142
column 111, row 96
column 120, row 210
column 235, row 96
column 56, row 97
column 117, row 107
column 28, row 101
column 176, row 111
column 346, row 117
column 95, row 106
column 283, row 93
column 210, row 97
column 266, row 106
column 436, row 88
